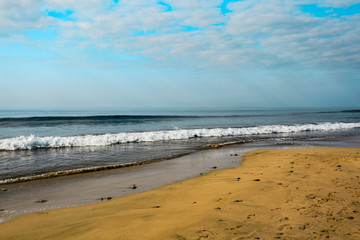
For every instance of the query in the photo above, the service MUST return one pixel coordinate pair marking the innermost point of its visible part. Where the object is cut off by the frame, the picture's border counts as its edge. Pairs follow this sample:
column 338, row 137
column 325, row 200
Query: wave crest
column 34, row 142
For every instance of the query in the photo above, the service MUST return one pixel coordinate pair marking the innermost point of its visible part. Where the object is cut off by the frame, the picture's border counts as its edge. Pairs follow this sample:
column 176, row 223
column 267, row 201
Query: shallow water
column 37, row 143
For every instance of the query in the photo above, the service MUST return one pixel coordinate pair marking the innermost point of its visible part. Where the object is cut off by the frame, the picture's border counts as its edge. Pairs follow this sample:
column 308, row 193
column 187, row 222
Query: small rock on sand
column 310, row 196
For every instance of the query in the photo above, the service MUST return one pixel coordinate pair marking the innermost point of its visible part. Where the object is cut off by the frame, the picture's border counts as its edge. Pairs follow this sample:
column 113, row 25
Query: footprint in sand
column 251, row 216
column 274, row 209
column 204, row 234
column 285, row 227
column 284, row 219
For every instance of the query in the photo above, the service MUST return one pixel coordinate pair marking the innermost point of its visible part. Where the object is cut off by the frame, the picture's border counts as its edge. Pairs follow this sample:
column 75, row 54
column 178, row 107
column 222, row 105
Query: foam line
column 34, row 142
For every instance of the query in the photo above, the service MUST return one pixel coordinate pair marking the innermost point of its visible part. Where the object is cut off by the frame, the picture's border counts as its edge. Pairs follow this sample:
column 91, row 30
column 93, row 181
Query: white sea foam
column 33, row 142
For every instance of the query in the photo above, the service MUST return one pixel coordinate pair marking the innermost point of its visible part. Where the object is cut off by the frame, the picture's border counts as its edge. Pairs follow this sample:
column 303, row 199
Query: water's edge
column 83, row 189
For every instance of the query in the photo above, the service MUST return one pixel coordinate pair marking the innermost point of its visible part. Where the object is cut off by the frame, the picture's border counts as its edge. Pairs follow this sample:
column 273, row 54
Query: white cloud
column 261, row 34
column 19, row 15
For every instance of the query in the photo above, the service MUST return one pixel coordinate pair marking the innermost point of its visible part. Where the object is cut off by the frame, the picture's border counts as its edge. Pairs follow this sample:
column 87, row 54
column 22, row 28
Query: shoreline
column 88, row 188
column 310, row 193
column 62, row 173
column 99, row 168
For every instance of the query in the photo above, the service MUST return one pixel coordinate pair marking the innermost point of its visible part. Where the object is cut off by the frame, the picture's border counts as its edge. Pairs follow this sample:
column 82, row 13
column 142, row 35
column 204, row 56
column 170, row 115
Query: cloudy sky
column 179, row 53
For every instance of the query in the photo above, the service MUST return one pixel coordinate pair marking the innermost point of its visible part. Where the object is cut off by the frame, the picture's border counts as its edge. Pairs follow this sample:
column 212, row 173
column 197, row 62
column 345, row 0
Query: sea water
column 45, row 143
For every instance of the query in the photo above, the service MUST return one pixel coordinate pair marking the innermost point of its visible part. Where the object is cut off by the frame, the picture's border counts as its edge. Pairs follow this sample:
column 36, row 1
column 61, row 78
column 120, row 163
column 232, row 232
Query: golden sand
column 276, row 194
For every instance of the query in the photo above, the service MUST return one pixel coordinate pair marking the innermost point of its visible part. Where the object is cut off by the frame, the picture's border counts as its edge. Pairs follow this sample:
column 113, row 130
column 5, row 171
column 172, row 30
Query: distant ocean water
column 44, row 143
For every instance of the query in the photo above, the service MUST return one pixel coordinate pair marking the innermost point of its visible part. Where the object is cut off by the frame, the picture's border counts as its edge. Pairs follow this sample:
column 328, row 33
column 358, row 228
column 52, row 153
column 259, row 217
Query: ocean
column 46, row 143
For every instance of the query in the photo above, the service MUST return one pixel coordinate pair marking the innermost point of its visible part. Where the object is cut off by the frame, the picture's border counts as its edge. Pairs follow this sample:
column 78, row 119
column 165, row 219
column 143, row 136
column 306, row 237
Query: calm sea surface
column 40, row 143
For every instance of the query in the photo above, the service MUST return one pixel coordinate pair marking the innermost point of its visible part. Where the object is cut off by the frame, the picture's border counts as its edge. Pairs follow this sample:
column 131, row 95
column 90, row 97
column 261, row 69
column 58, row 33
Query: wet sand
column 276, row 194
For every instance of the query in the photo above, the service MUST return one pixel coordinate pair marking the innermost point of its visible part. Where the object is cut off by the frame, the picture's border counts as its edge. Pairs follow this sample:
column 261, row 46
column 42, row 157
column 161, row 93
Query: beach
column 275, row 194
column 185, row 120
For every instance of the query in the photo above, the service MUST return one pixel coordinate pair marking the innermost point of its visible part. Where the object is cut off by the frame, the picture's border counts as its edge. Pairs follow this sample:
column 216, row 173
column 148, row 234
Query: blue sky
column 171, row 53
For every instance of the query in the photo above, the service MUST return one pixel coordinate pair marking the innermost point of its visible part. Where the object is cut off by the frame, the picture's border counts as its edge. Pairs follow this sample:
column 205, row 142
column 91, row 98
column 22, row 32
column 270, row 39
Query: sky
column 179, row 53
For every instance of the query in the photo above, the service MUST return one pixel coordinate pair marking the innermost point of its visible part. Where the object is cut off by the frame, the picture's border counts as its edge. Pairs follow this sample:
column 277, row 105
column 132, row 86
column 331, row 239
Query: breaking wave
column 34, row 142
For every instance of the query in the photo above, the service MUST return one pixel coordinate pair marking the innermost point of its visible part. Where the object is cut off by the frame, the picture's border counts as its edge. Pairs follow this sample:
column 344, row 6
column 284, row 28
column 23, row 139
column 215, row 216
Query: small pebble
column 133, row 186
column 257, row 180
column 4, row 189
column 350, row 217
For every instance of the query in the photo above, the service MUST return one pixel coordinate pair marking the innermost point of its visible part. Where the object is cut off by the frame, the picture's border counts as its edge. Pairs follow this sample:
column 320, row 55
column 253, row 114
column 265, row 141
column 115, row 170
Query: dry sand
column 276, row 194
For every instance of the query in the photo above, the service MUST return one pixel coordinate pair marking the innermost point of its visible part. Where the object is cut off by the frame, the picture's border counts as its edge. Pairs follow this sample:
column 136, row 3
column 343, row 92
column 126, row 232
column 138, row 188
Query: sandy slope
column 276, row 194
